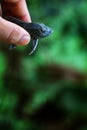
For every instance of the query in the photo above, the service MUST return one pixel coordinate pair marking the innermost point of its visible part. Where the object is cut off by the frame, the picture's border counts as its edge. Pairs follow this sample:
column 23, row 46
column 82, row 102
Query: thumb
column 12, row 33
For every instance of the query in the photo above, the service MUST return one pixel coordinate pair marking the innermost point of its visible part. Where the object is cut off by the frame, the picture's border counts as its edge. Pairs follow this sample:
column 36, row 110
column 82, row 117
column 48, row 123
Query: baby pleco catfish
column 36, row 31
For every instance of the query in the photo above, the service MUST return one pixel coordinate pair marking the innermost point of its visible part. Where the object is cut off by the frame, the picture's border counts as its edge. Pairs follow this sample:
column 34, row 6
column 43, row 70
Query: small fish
column 36, row 31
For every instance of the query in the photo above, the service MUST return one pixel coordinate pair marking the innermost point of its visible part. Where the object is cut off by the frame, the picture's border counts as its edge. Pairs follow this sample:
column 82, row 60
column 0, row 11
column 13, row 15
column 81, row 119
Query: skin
column 10, row 32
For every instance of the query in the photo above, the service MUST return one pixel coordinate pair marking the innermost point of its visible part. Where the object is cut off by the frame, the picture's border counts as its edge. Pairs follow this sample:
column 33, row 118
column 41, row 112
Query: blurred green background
column 47, row 90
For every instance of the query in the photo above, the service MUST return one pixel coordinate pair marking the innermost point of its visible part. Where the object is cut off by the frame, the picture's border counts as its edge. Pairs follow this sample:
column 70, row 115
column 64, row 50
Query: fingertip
column 18, row 36
column 24, row 40
column 13, row 34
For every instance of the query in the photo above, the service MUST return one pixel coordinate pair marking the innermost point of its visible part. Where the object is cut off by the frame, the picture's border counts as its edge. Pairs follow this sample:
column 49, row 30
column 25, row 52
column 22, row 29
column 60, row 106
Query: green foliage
column 48, row 90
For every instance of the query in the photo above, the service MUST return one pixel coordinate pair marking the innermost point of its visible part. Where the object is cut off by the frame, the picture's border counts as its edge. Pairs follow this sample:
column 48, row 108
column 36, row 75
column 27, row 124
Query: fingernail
column 24, row 40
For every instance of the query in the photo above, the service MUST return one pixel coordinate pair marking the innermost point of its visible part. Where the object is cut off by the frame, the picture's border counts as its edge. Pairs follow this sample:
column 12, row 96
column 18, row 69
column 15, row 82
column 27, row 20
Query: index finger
column 16, row 8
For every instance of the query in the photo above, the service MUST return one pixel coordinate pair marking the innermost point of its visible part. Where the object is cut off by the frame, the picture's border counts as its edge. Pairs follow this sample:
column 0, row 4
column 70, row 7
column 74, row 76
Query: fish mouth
column 50, row 31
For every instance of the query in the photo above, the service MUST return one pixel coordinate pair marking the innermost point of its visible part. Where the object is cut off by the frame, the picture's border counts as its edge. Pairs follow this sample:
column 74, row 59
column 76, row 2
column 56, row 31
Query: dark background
column 47, row 90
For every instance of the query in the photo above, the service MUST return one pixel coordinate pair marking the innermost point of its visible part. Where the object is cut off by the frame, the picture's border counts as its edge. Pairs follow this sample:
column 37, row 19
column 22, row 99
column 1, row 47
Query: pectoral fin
column 34, row 46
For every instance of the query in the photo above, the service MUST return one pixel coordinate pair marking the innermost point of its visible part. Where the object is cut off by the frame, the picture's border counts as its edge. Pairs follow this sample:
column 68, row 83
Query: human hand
column 10, row 32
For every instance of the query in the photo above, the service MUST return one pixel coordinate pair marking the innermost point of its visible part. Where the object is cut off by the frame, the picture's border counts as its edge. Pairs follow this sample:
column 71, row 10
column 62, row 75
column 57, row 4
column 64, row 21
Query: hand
column 10, row 32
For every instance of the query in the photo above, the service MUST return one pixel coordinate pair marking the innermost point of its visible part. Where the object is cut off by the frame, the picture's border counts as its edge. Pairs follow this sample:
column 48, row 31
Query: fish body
column 36, row 31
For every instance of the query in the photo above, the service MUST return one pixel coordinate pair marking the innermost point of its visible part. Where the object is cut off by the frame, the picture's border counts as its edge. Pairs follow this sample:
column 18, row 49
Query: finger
column 17, row 8
column 12, row 33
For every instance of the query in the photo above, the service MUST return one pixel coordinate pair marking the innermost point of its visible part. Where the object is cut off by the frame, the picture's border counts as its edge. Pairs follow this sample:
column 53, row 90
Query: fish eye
column 42, row 30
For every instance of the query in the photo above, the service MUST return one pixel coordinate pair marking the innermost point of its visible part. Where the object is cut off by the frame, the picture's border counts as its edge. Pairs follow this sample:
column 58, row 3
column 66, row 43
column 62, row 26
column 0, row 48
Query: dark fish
column 36, row 31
